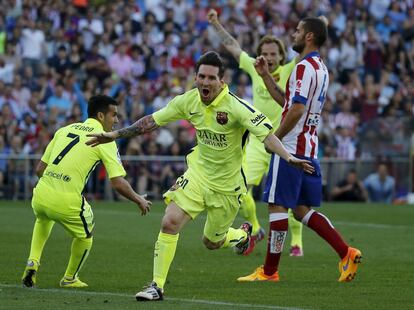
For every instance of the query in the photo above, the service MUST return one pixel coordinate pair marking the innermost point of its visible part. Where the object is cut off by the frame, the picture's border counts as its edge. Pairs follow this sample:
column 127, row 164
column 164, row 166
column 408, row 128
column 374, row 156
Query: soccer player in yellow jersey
column 256, row 160
column 63, row 172
column 214, row 181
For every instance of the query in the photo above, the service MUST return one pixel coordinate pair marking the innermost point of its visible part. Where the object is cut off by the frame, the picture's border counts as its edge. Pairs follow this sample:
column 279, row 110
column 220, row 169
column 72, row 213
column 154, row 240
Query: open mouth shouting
column 205, row 92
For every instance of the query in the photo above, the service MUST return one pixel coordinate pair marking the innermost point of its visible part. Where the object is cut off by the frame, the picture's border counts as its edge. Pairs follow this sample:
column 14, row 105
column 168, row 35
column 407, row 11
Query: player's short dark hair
column 318, row 28
column 269, row 39
column 211, row 59
column 99, row 103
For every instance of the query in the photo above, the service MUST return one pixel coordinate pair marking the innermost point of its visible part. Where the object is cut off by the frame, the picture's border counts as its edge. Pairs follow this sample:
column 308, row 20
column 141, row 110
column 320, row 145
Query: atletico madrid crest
column 222, row 118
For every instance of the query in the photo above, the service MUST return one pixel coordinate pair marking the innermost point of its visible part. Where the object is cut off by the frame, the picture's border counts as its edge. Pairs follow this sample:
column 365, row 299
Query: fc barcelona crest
column 222, row 118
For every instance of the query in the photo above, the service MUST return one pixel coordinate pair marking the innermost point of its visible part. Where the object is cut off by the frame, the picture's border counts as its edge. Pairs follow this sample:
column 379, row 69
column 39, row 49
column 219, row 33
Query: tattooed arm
column 226, row 39
column 141, row 126
column 274, row 90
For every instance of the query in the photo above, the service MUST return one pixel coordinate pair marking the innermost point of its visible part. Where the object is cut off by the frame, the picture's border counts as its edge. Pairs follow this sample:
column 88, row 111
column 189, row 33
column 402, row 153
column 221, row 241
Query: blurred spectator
column 29, row 80
column 396, row 13
column 90, row 26
column 385, row 28
column 58, row 105
column 96, row 65
column 378, row 8
column 349, row 189
column 60, row 62
column 106, row 48
column 369, row 104
column 174, row 169
column 162, row 99
column 149, row 180
column 350, row 56
column 380, row 185
column 185, row 141
column 120, row 62
column 6, row 71
column 55, row 41
column 33, row 45
column 373, row 55
column 180, row 9
column 12, row 57
column 345, row 118
column 345, row 144
column 408, row 25
column 182, row 60
column 16, row 168
column 21, row 96
column 137, row 62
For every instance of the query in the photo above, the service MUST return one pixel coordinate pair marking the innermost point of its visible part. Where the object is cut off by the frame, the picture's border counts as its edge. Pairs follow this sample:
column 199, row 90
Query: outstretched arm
column 141, row 126
column 274, row 145
column 274, row 90
column 124, row 188
column 226, row 39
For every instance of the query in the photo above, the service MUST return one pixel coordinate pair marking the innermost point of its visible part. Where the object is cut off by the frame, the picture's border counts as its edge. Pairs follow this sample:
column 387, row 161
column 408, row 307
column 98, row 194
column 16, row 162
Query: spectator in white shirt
column 33, row 46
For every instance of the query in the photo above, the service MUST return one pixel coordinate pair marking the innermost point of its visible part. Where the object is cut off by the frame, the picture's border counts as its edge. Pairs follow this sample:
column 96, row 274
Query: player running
column 214, row 181
column 256, row 160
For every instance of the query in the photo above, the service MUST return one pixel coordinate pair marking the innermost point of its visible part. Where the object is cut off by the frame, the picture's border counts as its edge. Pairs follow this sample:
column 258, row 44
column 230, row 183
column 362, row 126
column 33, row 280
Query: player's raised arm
column 275, row 91
column 274, row 145
column 226, row 39
column 141, row 126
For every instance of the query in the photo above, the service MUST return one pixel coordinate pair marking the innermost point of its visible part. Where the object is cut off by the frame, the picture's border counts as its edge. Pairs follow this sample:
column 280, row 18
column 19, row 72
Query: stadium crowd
column 55, row 54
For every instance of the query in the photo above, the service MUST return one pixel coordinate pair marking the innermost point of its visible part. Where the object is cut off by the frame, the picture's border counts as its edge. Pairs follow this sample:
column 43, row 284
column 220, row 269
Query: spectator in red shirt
column 182, row 60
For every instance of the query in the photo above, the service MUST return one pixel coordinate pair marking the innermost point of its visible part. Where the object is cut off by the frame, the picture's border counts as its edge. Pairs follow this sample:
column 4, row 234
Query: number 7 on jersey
column 75, row 139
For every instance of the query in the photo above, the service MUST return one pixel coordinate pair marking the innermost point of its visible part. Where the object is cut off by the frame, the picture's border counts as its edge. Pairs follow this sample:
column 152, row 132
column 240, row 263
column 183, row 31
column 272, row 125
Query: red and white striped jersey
column 307, row 85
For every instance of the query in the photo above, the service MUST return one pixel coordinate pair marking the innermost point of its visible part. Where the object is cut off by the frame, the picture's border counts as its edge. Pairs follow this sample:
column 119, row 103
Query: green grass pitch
column 121, row 263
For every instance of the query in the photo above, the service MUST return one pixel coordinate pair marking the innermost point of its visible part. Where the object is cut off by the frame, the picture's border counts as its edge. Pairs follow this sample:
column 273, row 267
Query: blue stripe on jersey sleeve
column 299, row 99
column 238, row 99
column 268, row 126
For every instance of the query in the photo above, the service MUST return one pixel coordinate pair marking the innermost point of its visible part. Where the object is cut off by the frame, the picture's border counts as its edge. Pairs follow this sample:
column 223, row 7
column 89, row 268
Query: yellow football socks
column 79, row 253
column 295, row 229
column 163, row 255
column 41, row 233
column 248, row 211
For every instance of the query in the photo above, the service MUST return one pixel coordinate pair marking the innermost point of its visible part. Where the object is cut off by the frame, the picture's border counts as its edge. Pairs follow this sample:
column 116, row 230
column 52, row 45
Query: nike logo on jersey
column 217, row 234
column 193, row 113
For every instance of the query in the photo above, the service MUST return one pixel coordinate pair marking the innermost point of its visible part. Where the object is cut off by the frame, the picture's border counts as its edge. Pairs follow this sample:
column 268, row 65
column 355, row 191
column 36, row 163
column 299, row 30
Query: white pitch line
column 184, row 300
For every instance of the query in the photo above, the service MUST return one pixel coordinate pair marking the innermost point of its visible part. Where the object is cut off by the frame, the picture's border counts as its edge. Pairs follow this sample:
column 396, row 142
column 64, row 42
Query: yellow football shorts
column 192, row 197
column 255, row 161
column 71, row 211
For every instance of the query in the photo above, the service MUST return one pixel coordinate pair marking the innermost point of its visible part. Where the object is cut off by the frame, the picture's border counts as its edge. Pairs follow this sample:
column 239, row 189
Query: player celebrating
column 214, row 180
column 256, row 160
column 288, row 188
column 64, row 170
